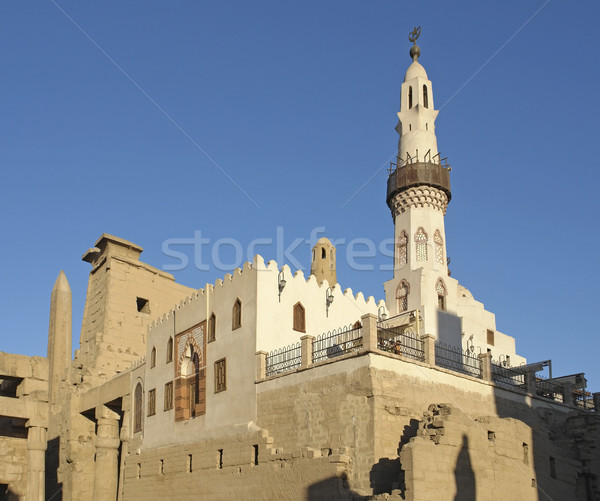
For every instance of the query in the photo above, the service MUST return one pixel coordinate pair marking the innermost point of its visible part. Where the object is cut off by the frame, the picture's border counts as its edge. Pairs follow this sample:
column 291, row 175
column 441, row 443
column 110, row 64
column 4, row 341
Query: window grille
column 402, row 295
column 402, row 249
column 152, row 402
column 440, row 288
column 220, row 375
column 421, row 240
column 169, row 395
column 439, row 247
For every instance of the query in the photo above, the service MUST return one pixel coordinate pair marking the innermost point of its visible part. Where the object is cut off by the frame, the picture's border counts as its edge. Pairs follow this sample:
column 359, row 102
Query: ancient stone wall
column 13, row 466
column 324, row 408
column 242, row 466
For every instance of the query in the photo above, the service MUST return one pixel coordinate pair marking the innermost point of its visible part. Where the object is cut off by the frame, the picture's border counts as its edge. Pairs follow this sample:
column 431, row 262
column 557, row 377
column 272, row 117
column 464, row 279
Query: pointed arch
column 236, row 317
column 299, row 318
column 195, row 384
column 410, row 97
column 439, row 247
column 440, row 289
column 323, row 253
column 402, row 250
column 212, row 327
column 138, row 402
column 425, row 97
column 421, row 243
column 153, row 357
column 402, row 295
column 170, row 350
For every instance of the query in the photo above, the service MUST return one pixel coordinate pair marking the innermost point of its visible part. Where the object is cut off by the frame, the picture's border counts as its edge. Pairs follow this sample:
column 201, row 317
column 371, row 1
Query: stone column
column 568, row 394
column 306, row 345
column 486, row 366
column 596, row 402
column 125, row 430
column 36, row 463
column 429, row 349
column 369, row 331
column 530, row 382
column 106, row 473
column 261, row 365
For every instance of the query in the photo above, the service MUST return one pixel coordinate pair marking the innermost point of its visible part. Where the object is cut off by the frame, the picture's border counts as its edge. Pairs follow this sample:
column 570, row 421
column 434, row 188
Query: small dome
column 415, row 70
column 324, row 241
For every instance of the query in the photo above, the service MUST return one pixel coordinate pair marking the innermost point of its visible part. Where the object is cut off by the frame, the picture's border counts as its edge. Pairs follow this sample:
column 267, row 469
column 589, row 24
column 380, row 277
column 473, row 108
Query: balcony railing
column 400, row 342
column 458, row 360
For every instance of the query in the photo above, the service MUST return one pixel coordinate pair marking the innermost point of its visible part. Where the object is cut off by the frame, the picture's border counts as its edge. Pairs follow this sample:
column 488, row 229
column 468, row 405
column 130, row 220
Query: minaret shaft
column 418, row 195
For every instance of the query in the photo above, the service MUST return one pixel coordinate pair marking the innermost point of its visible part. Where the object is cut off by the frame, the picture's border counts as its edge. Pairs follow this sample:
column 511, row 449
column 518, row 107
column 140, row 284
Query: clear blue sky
column 297, row 103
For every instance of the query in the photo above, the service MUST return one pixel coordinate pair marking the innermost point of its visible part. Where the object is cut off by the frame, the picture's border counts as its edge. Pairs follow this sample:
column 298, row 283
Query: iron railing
column 458, row 360
column 284, row 359
column 508, row 378
column 549, row 389
column 400, row 342
column 336, row 343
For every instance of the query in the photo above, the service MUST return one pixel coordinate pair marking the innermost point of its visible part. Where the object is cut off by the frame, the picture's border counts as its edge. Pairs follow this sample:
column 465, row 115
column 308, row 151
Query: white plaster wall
column 275, row 317
column 476, row 321
column 225, row 410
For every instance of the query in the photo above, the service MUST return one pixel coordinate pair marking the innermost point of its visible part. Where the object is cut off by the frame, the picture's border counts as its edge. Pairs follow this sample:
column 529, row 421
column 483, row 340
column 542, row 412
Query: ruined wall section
column 246, row 465
column 324, row 408
column 13, row 466
column 124, row 296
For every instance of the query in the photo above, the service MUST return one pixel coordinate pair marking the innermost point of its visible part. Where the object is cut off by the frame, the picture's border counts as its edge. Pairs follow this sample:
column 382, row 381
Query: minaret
column 418, row 193
column 59, row 336
column 322, row 265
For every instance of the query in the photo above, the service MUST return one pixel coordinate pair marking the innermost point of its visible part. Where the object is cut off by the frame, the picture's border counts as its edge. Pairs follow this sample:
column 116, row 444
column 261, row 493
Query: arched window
column 440, row 288
column 212, row 328
column 402, row 258
column 236, row 321
column 170, row 350
column 323, row 253
column 410, row 97
column 153, row 357
column 421, row 240
column 195, row 384
column 425, row 97
column 402, row 295
column 299, row 318
column 439, row 247
column 137, row 408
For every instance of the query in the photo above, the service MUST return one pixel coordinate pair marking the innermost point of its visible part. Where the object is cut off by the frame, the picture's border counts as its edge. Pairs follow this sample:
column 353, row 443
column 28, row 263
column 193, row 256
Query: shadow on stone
column 53, row 487
column 464, row 474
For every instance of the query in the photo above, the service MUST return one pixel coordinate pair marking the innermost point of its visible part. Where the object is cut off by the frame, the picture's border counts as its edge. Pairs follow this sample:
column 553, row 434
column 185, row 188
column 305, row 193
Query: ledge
column 418, row 174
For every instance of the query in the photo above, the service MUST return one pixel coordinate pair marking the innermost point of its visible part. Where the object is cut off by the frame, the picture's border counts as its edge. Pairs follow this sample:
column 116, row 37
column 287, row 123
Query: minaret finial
column 415, row 51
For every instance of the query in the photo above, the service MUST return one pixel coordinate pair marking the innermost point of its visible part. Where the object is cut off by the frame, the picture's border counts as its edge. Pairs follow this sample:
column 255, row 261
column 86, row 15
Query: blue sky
column 296, row 103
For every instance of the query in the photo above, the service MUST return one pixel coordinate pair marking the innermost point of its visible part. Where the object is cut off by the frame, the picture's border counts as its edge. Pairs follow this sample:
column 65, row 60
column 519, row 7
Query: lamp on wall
column 382, row 314
column 280, row 283
column 328, row 299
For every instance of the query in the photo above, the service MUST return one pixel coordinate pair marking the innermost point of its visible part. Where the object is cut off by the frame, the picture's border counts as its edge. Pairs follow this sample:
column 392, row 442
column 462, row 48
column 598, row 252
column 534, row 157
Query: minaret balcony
column 413, row 172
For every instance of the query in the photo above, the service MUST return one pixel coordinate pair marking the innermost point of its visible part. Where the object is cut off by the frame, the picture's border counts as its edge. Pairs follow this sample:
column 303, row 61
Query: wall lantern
column 328, row 299
column 280, row 283
column 382, row 314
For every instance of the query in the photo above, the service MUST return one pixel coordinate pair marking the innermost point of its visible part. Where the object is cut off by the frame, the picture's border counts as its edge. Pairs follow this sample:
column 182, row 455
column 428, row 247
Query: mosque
column 270, row 385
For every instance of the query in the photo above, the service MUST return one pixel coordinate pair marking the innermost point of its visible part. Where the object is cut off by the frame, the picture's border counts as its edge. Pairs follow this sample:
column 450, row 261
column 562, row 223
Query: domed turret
column 323, row 262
